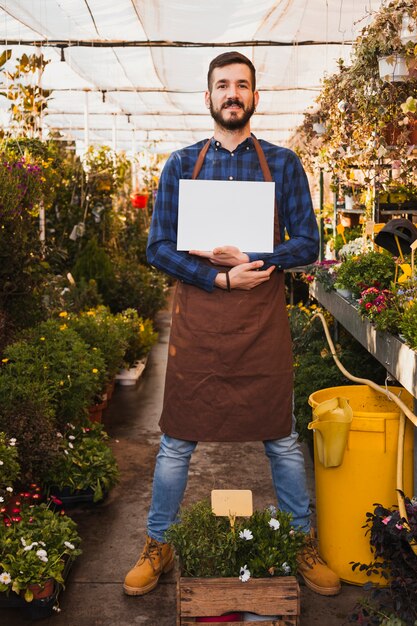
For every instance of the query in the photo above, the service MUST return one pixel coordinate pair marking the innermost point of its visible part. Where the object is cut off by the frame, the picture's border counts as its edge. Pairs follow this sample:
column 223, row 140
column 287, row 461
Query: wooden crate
column 202, row 597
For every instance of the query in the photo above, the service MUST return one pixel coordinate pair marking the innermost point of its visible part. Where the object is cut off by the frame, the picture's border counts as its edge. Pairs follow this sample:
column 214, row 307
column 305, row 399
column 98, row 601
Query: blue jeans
column 171, row 474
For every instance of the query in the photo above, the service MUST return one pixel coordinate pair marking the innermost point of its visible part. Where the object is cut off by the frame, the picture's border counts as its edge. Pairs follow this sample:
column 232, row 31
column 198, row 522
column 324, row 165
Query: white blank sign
column 215, row 213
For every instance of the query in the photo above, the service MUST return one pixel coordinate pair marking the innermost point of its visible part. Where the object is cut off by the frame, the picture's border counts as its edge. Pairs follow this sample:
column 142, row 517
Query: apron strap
column 266, row 172
column 200, row 160
column 262, row 160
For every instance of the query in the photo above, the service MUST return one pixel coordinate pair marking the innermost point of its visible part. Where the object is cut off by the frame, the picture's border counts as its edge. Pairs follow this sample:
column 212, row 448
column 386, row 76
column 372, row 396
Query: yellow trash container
column 367, row 475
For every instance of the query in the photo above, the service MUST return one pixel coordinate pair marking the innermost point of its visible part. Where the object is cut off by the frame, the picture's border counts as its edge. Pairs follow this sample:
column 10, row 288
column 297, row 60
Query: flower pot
column 42, row 591
column 345, row 293
column 130, row 376
column 408, row 30
column 139, row 200
column 348, row 203
column 319, row 128
column 95, row 412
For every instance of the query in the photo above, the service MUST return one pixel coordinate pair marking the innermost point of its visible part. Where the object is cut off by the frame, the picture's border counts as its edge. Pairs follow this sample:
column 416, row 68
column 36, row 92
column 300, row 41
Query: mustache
column 232, row 102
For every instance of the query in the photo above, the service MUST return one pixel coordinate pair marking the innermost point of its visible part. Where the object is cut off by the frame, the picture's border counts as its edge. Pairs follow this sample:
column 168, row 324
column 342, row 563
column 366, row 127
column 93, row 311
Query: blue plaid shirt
column 296, row 216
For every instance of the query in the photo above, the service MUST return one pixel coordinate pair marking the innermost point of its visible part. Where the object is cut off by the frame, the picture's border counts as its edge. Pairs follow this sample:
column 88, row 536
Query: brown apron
column 229, row 374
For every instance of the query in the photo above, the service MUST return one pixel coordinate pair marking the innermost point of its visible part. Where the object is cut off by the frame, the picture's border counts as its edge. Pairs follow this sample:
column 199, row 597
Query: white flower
column 69, row 545
column 1, row 499
column 272, row 509
column 5, row 578
column 42, row 554
column 1, row 462
column 59, row 435
column 22, row 541
column 9, row 489
column 274, row 523
column 12, row 441
column 246, row 534
column 72, row 437
column 27, row 548
column 244, row 574
column 56, row 608
column 66, row 452
column 286, row 568
column 70, row 445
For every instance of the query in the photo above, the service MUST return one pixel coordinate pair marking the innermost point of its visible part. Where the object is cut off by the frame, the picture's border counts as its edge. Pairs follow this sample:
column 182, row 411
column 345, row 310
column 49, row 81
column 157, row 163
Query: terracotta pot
column 95, row 412
column 139, row 200
column 42, row 591
column 110, row 389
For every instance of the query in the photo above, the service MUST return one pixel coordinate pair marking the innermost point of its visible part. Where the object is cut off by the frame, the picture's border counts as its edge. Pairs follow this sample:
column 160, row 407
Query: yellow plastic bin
column 367, row 475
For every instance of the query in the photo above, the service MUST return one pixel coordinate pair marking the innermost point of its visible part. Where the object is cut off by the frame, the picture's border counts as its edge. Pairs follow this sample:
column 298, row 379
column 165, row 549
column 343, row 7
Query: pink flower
column 386, row 519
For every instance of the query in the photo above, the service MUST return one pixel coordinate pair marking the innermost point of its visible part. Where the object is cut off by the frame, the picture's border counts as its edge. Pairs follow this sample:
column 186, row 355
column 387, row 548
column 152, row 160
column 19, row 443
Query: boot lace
column 309, row 555
column 152, row 552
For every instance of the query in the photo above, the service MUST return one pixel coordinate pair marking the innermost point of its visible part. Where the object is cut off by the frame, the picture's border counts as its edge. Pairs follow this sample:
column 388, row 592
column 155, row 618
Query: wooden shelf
column 397, row 358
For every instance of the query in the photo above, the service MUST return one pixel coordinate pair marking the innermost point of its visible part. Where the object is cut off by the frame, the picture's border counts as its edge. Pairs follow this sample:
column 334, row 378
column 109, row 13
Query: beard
column 234, row 122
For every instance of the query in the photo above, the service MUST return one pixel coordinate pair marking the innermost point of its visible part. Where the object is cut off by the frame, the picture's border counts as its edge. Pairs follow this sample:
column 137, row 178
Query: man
column 229, row 374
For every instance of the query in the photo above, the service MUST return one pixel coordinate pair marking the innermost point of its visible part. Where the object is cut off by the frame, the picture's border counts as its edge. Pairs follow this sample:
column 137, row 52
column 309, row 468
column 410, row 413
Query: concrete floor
column 113, row 532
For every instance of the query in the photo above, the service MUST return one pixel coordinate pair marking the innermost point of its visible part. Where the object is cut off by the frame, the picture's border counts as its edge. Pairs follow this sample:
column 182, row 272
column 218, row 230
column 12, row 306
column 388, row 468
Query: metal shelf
column 397, row 358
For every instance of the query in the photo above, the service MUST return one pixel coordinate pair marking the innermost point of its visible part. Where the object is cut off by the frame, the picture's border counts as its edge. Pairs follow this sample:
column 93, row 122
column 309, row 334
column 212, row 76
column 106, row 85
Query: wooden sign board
column 232, row 502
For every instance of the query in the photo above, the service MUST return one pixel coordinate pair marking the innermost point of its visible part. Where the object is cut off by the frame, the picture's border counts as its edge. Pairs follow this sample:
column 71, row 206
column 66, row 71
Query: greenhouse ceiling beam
column 161, row 113
column 106, row 90
column 155, row 130
column 157, row 43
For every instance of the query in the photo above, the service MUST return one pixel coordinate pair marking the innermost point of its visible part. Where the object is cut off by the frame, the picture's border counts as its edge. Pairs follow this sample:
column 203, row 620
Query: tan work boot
column 317, row 575
column 157, row 558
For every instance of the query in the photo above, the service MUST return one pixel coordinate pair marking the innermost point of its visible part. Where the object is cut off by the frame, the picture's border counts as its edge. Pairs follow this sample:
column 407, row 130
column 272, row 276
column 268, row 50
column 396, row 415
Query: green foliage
column 264, row 543
column 139, row 335
column 94, row 263
column 101, row 330
column 391, row 537
column 373, row 269
column 314, row 365
column 408, row 324
column 137, row 287
column 9, row 464
column 31, row 424
column 54, row 358
column 35, row 549
column 85, row 462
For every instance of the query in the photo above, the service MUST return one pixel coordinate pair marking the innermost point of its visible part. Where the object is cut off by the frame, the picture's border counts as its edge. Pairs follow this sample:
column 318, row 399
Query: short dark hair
column 227, row 58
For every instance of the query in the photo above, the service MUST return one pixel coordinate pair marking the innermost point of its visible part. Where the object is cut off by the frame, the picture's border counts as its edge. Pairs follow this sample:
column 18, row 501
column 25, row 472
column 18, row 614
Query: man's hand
column 228, row 256
column 245, row 276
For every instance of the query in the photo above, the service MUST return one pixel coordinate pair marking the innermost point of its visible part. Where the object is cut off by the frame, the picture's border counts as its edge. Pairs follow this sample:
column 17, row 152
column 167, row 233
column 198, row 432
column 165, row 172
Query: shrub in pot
column 101, row 330
column 34, row 550
column 373, row 269
column 139, row 335
column 85, row 463
column 137, row 287
column 54, row 357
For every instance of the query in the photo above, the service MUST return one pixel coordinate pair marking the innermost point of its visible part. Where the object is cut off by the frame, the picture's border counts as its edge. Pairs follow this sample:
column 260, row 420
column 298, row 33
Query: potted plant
column 35, row 551
column 373, row 269
column 390, row 537
column 85, row 470
column 140, row 336
column 219, row 561
column 69, row 373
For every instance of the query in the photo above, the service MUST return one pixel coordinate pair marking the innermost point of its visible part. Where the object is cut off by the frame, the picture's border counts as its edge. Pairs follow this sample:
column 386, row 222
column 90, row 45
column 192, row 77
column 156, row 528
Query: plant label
column 232, row 502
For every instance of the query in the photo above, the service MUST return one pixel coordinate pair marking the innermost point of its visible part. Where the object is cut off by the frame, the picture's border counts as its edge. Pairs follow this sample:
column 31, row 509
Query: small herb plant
column 262, row 545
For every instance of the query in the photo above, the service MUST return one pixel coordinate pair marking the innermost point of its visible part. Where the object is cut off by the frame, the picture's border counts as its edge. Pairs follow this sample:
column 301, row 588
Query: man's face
column 231, row 100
